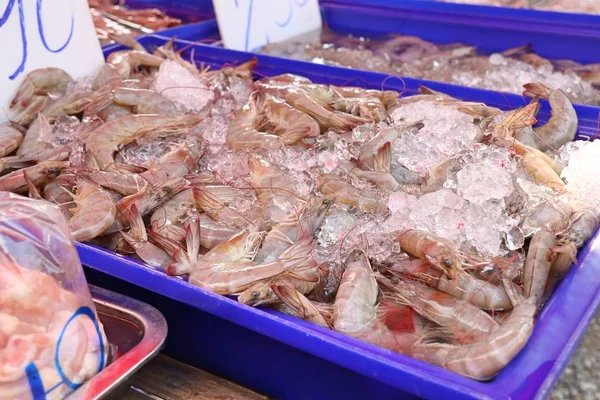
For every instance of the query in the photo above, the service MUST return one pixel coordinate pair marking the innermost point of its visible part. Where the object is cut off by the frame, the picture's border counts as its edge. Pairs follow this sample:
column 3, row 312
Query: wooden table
column 164, row 378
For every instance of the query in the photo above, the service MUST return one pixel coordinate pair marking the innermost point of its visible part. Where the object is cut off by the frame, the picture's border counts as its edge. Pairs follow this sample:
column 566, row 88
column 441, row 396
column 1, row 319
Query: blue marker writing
column 33, row 375
column 6, row 15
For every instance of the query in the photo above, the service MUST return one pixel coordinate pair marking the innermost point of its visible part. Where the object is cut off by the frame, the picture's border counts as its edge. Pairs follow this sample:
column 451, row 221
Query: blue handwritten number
column 6, row 15
column 3, row 20
column 33, row 375
column 41, row 29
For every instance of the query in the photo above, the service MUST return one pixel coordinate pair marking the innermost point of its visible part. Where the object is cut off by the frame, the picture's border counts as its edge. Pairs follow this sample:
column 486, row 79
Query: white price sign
column 45, row 33
column 250, row 24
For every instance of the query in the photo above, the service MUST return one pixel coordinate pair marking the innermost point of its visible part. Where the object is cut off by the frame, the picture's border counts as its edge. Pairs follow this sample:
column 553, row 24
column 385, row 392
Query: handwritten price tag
column 45, row 33
column 250, row 24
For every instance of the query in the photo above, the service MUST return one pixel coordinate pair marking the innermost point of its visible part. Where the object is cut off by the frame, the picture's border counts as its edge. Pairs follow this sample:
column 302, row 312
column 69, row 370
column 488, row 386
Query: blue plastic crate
column 289, row 358
column 187, row 11
column 524, row 17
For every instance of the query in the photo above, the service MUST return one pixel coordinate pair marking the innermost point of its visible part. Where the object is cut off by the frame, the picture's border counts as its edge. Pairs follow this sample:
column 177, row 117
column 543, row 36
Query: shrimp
column 27, row 115
column 440, row 252
column 233, row 278
column 270, row 182
column 562, row 126
column 110, row 137
column 120, row 182
column 303, row 280
column 539, row 168
column 39, row 174
column 326, row 289
column 186, row 259
column 584, row 223
column 287, row 122
column 355, row 307
column 214, row 201
column 146, row 200
column 476, row 291
column 484, row 359
column 94, row 211
column 462, row 321
column 40, row 82
column 370, row 155
column 537, row 266
column 127, row 61
column 552, row 216
column 344, row 192
column 31, row 144
column 326, row 119
column 168, row 220
column 137, row 237
column 383, row 180
column 108, row 76
column 319, row 314
column 242, row 132
column 370, row 109
column 10, row 139
column 387, row 97
column 295, row 227
column 440, row 173
column 213, row 233
column 144, row 101
column 58, row 191
column 177, row 162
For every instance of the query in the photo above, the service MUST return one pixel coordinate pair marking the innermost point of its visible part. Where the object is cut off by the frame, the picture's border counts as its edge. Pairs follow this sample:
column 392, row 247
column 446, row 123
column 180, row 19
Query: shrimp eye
column 255, row 295
column 448, row 263
column 54, row 171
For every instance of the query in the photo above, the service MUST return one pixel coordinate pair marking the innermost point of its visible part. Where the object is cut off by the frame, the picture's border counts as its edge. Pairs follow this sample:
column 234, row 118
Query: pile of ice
column 447, row 131
column 582, row 172
column 470, row 210
column 509, row 75
column 182, row 87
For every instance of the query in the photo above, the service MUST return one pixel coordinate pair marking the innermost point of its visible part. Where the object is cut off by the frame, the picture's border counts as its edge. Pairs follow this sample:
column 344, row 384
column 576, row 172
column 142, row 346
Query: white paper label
column 45, row 33
column 250, row 24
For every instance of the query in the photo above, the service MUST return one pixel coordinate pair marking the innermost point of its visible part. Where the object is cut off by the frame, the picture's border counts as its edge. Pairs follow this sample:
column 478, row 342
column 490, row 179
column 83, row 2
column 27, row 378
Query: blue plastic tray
column 524, row 17
column 187, row 10
column 288, row 358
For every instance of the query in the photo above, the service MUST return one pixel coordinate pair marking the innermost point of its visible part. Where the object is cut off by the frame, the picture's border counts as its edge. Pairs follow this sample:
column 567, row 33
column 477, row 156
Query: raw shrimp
column 187, row 258
column 213, row 201
column 31, row 145
column 302, row 280
column 460, row 320
column 137, row 237
column 440, row 173
column 59, row 191
column 40, row 82
column 234, row 278
column 381, row 179
column 110, row 137
column 552, row 216
column 213, row 233
column 10, row 139
column 326, row 289
column 120, row 182
column 243, row 133
column 144, row 101
column 269, row 181
column 127, row 61
column 94, row 211
column 537, row 266
column 355, row 307
column 177, row 162
column 317, row 313
column 562, row 126
column 169, row 219
column 28, row 114
column 147, row 199
column 371, row 109
column 344, row 192
column 287, row 122
column 484, row 359
column 478, row 292
column 326, row 118
column 539, row 169
column 39, row 174
column 440, row 252
column 370, row 157
column 108, row 76
column 584, row 223
column 295, row 227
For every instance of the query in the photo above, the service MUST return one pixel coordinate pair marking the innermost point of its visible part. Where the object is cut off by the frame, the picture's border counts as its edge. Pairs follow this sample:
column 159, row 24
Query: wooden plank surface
column 164, row 378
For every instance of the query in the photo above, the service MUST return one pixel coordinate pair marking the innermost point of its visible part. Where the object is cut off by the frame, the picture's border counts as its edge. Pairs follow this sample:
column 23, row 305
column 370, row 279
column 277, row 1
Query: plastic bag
column 51, row 340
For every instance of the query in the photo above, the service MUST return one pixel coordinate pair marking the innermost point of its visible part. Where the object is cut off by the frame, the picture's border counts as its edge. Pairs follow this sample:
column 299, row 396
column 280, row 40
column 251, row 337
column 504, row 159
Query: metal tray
column 136, row 330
